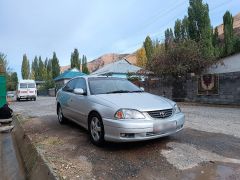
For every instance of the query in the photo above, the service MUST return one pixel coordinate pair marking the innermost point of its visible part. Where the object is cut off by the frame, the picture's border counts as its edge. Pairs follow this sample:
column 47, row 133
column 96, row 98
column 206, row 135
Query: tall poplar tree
column 34, row 69
column 177, row 31
column 75, row 60
column 25, row 67
column 141, row 57
column 148, row 46
column 169, row 38
column 200, row 27
column 55, row 66
column 228, row 33
column 41, row 69
column 84, row 65
column 184, row 28
column 216, row 43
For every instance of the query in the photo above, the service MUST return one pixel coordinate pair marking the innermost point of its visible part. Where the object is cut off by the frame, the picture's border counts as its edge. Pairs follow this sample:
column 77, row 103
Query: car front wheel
column 96, row 129
column 61, row 118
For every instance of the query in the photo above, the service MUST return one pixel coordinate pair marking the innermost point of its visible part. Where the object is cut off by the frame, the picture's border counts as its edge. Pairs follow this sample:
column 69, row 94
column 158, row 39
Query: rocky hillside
column 109, row 58
column 105, row 59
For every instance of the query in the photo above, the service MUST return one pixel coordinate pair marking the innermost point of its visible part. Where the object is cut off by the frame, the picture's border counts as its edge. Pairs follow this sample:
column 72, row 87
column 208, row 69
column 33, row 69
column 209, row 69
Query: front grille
column 161, row 113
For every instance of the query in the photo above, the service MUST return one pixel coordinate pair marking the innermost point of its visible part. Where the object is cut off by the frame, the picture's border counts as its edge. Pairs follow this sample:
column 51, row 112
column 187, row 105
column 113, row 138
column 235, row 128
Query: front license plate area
column 165, row 127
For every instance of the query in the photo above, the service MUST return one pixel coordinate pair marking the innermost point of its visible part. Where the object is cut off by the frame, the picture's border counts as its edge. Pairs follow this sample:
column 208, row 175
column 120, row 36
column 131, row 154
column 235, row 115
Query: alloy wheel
column 60, row 116
column 95, row 128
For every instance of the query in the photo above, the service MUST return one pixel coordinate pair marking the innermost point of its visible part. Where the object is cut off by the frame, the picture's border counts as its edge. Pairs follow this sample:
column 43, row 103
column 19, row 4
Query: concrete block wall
column 229, row 90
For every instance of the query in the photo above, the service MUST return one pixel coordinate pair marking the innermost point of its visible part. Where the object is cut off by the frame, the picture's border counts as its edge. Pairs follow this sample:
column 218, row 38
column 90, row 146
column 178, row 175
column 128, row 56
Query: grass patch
column 51, row 141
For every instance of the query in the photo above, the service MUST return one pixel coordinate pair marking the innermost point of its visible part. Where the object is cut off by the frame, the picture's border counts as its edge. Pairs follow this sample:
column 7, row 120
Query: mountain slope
column 109, row 58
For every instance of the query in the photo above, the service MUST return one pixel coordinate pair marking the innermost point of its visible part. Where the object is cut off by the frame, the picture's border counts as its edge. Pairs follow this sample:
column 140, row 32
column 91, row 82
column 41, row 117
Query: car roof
column 27, row 81
column 95, row 76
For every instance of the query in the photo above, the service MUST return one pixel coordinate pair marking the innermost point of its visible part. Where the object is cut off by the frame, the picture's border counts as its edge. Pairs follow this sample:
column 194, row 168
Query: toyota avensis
column 114, row 109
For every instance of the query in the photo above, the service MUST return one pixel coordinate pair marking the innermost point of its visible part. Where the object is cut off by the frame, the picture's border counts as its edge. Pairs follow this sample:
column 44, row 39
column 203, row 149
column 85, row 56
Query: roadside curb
column 36, row 166
column 208, row 104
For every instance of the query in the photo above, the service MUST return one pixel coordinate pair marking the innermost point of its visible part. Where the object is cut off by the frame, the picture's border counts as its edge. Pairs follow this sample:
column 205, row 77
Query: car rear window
column 23, row 85
column 31, row 85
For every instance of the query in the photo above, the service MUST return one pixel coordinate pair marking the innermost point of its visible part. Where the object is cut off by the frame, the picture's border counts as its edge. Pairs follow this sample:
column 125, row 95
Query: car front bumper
column 139, row 130
column 26, row 96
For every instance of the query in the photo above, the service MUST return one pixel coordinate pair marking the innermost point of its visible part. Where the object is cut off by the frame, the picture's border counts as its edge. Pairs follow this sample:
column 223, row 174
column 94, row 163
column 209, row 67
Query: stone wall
column 187, row 89
column 158, row 86
column 229, row 90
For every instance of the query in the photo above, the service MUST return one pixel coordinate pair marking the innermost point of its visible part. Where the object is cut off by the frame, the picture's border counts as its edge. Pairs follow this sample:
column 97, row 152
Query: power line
column 162, row 37
column 155, row 20
column 163, row 14
column 220, row 5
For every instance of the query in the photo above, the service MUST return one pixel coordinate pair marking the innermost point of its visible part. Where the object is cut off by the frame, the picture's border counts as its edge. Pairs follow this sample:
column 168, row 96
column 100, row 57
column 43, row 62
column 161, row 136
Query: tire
column 34, row 99
column 18, row 99
column 61, row 118
column 96, row 129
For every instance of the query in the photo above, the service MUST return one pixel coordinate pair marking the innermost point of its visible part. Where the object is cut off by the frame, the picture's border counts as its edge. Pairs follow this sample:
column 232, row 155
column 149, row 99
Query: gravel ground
column 43, row 106
column 213, row 119
column 207, row 148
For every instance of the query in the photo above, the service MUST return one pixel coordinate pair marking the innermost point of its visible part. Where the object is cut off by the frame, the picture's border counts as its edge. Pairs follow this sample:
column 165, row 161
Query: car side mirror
column 79, row 91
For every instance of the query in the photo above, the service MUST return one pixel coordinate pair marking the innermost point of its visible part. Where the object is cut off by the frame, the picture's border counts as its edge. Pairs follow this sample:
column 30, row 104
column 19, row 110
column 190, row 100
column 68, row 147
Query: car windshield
column 111, row 85
column 31, row 85
column 23, row 85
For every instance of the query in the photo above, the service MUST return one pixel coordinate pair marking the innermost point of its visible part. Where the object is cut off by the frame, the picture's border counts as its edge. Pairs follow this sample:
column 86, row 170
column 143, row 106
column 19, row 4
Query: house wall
column 225, row 65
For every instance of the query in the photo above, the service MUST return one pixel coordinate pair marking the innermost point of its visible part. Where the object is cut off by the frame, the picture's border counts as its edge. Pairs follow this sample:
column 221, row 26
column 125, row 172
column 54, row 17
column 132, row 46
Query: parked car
column 11, row 94
column 114, row 109
column 26, row 89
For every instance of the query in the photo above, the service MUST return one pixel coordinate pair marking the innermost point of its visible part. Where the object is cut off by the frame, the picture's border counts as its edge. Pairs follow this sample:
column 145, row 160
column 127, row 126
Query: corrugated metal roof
column 69, row 74
column 121, row 67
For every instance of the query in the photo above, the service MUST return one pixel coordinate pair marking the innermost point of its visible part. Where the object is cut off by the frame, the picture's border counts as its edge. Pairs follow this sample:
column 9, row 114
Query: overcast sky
column 95, row 27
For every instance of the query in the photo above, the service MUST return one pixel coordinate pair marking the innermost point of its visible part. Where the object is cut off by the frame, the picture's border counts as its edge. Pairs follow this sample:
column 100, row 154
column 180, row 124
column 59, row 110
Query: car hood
column 139, row 101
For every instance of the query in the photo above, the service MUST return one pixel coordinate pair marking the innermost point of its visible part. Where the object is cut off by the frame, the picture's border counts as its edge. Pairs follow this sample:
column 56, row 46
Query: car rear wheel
column 61, row 118
column 96, row 129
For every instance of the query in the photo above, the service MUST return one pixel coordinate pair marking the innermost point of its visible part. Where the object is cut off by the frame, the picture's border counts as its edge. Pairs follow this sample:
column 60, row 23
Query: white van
column 26, row 90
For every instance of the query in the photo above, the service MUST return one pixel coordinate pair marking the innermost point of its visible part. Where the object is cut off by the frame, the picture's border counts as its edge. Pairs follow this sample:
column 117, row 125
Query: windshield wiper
column 136, row 91
column 119, row 91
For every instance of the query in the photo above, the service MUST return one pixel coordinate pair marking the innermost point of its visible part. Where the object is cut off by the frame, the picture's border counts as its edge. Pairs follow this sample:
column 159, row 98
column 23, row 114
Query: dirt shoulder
column 71, row 155
column 207, row 148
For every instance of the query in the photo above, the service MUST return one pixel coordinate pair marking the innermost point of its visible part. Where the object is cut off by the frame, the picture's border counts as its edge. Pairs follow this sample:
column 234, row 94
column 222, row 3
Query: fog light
column 122, row 134
column 127, row 135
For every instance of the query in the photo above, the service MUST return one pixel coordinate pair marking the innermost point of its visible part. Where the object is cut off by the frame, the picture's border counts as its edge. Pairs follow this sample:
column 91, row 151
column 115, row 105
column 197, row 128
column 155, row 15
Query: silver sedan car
column 114, row 109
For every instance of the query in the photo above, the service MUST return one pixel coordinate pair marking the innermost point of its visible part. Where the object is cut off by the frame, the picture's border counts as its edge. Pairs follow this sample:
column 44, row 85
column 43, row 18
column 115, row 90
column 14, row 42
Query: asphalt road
column 207, row 148
column 11, row 165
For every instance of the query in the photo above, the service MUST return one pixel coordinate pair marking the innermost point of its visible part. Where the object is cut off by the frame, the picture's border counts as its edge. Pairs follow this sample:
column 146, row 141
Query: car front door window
column 81, row 83
column 70, row 86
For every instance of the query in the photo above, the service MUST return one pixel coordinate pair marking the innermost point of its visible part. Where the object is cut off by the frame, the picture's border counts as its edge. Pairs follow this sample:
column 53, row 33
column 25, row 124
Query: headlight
column 177, row 109
column 128, row 114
